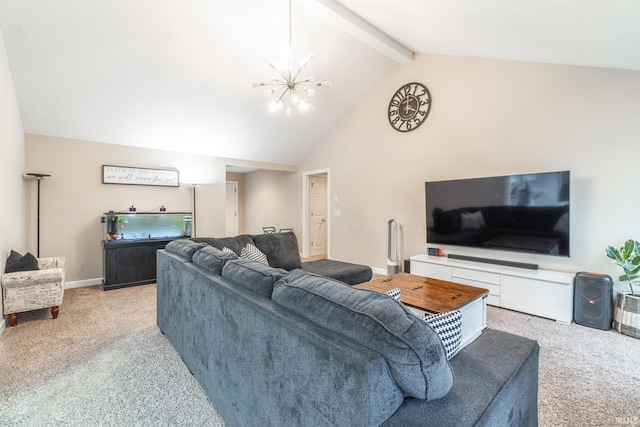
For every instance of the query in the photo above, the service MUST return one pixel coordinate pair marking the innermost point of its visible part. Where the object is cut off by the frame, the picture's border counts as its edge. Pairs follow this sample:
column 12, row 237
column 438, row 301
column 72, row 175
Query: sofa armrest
column 496, row 384
column 51, row 262
column 29, row 278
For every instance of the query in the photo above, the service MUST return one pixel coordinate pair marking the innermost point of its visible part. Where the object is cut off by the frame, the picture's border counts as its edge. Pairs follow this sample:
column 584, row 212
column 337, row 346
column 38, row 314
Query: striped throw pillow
column 252, row 252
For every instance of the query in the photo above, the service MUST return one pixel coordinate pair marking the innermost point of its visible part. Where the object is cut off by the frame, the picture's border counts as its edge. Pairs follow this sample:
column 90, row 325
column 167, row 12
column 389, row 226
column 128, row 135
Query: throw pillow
column 471, row 221
column 448, row 326
column 394, row 293
column 17, row 262
column 562, row 225
column 229, row 251
column 253, row 253
column 212, row 259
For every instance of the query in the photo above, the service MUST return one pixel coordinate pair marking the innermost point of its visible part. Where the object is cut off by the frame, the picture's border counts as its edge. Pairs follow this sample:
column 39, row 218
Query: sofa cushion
column 234, row 243
column 184, row 248
column 448, row 326
column 251, row 252
column 281, row 249
column 212, row 259
column 252, row 275
column 414, row 352
column 346, row 272
column 18, row 262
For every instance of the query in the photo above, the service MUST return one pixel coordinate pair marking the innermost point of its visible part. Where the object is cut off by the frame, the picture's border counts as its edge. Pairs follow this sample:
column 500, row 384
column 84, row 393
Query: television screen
column 523, row 213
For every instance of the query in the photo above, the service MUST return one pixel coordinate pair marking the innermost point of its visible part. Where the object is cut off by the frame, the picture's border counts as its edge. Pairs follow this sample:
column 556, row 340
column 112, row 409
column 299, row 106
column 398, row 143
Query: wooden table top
column 425, row 293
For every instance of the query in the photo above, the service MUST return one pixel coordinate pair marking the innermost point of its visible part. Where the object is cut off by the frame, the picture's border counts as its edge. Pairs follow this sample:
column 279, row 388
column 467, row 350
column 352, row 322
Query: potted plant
column 626, row 316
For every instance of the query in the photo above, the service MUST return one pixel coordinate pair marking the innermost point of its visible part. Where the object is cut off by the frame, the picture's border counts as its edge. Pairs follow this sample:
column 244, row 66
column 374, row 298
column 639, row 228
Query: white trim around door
column 305, row 210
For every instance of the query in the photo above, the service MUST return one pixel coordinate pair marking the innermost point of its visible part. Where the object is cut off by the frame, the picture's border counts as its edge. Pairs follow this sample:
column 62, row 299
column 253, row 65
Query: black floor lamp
column 193, row 225
column 39, row 177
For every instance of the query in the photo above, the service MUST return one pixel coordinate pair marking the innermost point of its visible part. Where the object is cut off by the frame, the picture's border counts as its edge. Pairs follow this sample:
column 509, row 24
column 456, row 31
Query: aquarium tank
column 122, row 226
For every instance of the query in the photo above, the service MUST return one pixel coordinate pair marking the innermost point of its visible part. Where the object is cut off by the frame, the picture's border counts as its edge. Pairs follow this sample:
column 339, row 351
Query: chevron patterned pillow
column 394, row 293
column 252, row 252
column 448, row 327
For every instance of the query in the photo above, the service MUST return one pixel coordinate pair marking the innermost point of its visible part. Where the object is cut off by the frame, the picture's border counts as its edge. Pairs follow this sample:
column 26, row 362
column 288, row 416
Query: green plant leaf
column 629, row 248
column 614, row 254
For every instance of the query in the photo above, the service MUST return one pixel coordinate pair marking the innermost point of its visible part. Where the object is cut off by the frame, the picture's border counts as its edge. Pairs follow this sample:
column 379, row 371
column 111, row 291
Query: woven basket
column 626, row 316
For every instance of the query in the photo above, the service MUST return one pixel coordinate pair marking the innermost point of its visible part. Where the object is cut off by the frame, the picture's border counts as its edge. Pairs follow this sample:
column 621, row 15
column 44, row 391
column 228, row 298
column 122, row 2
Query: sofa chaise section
column 282, row 251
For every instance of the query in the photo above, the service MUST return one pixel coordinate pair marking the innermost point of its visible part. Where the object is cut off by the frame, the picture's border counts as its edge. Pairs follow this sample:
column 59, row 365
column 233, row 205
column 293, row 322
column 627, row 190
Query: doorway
column 316, row 223
column 231, row 209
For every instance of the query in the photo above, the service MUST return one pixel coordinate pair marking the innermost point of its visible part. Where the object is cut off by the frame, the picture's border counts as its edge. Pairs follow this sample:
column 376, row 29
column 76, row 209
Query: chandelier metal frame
column 288, row 86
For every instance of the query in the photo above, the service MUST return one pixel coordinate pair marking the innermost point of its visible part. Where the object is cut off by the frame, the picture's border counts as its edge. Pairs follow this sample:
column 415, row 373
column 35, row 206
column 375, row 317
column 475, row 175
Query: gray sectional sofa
column 272, row 347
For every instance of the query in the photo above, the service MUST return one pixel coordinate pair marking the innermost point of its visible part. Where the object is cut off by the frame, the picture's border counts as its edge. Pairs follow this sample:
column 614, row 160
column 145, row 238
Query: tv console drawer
column 477, row 275
column 440, row 272
column 493, row 288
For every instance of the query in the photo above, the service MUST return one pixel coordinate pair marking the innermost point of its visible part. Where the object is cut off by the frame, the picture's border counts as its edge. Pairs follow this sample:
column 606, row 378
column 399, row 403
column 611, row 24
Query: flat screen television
column 523, row 213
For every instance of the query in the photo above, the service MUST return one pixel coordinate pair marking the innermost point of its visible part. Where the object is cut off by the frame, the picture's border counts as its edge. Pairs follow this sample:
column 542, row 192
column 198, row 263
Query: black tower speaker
column 592, row 300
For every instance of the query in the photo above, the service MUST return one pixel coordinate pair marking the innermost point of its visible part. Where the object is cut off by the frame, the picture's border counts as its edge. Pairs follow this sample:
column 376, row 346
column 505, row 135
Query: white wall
column 272, row 198
column 12, row 184
column 74, row 197
column 488, row 117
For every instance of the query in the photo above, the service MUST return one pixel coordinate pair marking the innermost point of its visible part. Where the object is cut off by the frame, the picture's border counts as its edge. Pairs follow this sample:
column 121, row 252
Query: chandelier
column 287, row 87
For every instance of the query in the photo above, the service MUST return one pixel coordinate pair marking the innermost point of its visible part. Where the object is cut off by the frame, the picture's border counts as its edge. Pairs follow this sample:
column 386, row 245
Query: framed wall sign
column 140, row 176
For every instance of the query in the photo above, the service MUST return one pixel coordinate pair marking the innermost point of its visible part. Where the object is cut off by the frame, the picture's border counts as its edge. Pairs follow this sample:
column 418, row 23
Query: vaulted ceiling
column 176, row 74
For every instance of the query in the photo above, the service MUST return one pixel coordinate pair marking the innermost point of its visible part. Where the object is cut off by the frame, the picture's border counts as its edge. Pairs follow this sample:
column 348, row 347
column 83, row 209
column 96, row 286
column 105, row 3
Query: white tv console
column 543, row 293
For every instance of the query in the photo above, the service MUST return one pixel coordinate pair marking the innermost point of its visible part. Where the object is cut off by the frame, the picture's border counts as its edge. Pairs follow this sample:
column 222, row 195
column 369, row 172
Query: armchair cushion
column 17, row 262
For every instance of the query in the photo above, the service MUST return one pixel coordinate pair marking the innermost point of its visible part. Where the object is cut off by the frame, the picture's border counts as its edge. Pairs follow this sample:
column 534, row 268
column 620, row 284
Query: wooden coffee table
column 426, row 295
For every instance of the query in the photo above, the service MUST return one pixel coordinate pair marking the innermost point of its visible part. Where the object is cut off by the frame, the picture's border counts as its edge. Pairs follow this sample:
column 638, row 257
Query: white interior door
column 318, row 215
column 232, row 209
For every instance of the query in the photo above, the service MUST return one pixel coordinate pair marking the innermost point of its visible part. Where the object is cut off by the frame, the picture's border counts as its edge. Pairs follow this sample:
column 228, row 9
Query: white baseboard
column 382, row 271
column 83, row 283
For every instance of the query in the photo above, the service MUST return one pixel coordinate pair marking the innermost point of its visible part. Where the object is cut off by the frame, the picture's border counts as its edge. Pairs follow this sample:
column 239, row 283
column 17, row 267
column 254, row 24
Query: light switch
column 338, row 213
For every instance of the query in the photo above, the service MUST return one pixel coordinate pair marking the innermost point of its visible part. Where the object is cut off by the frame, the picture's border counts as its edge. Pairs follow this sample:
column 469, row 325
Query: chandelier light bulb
column 309, row 105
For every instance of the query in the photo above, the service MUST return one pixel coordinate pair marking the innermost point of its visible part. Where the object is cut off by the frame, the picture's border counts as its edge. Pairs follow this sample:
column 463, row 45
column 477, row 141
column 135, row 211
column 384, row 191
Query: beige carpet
column 103, row 362
column 587, row 377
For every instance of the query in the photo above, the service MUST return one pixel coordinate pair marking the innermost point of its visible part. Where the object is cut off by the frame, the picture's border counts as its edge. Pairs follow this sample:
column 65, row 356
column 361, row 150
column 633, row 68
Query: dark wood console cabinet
column 130, row 263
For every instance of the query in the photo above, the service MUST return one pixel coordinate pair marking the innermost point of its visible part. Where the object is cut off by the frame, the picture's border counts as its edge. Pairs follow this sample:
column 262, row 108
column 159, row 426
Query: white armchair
column 34, row 290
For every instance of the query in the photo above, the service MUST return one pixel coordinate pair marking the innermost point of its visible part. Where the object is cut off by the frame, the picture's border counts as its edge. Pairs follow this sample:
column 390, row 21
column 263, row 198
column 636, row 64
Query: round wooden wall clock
column 409, row 107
